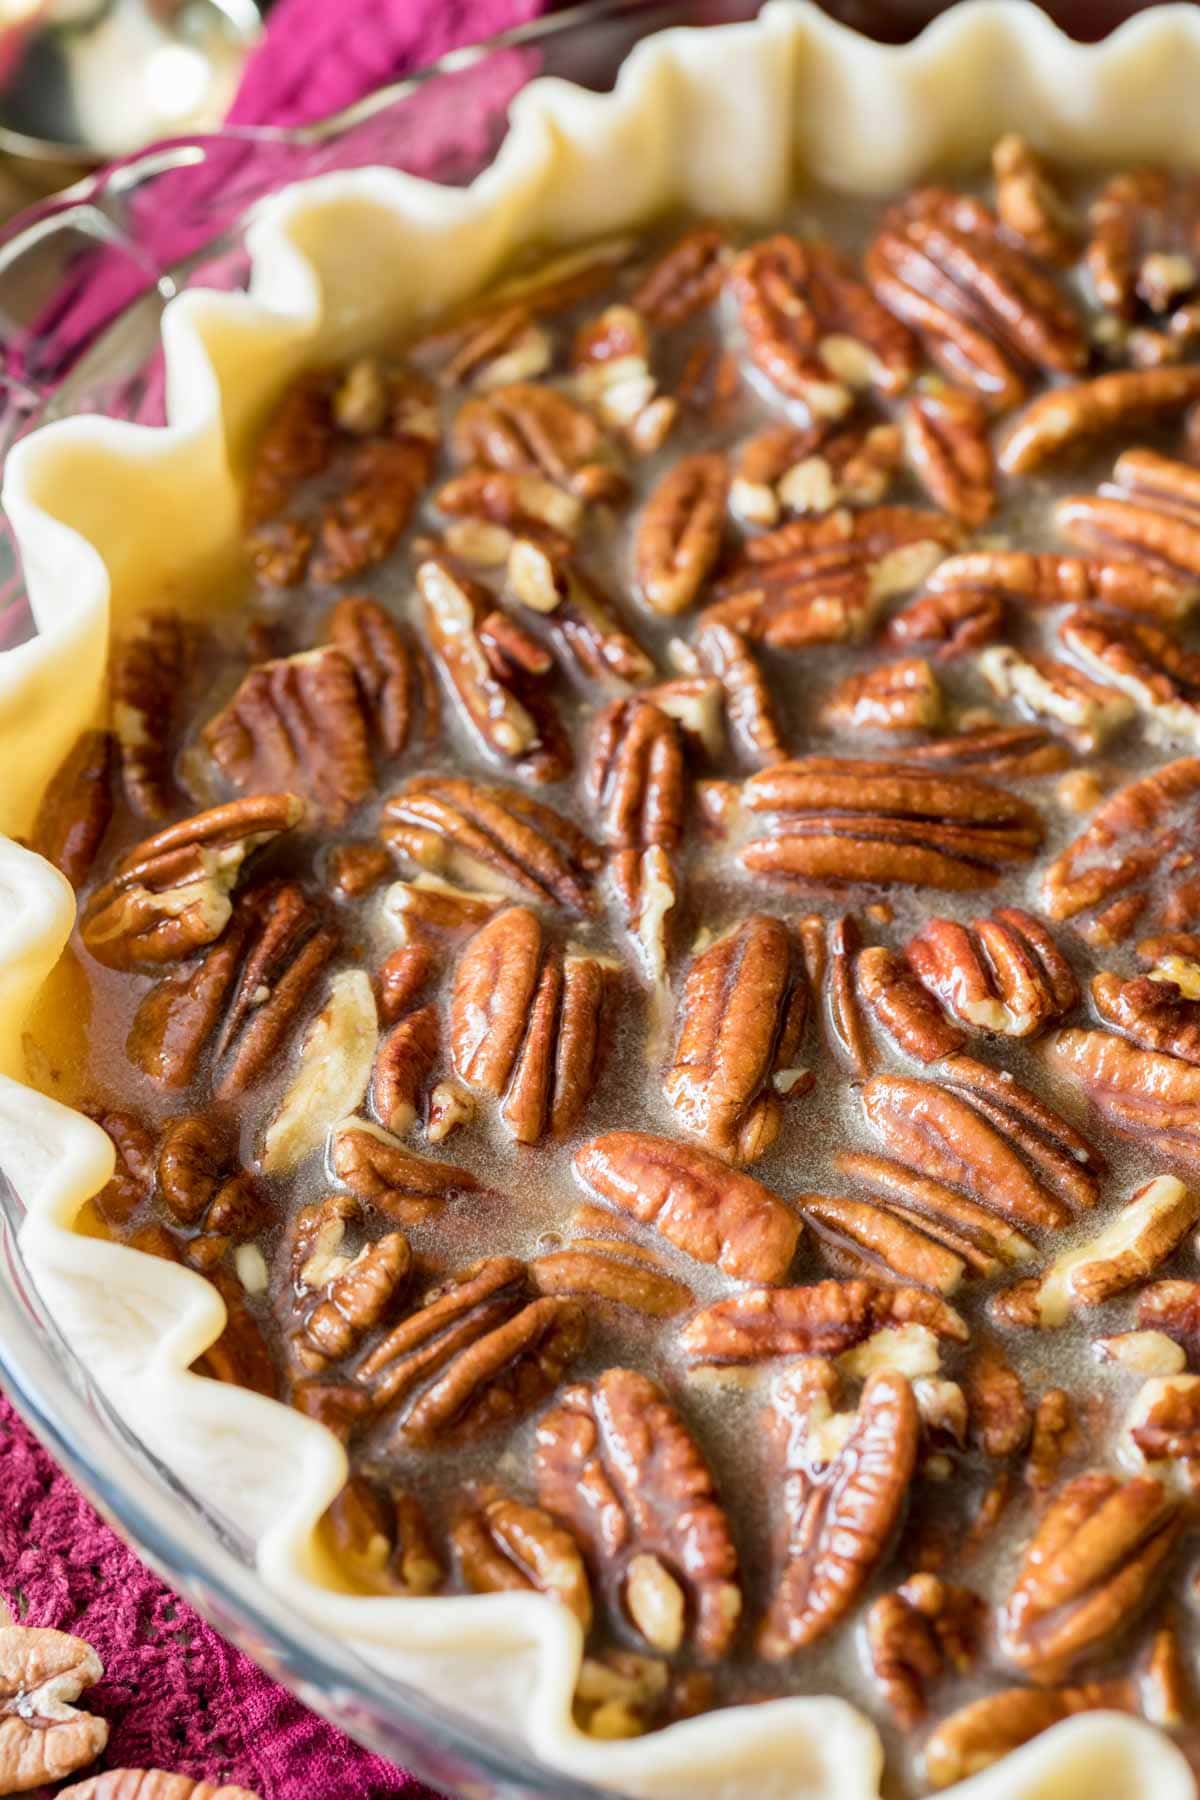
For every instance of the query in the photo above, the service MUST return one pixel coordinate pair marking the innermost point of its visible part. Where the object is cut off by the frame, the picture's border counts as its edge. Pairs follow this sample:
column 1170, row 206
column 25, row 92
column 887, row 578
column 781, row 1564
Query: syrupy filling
column 653, row 954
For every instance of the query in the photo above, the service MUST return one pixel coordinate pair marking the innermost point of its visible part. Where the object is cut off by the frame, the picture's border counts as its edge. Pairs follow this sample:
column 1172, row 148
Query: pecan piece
column 1090, row 711
column 838, row 1524
column 1127, row 840
column 1150, row 665
column 648, row 889
column 528, row 1024
column 695, row 1201
column 749, row 708
column 1141, row 254
column 610, row 358
column 43, row 1736
column 982, row 308
column 949, row 621
column 1028, row 203
column 914, row 1634
column 513, row 504
column 393, row 675
column 1002, row 973
column 353, row 1300
column 605, row 1268
column 679, row 532
column 615, row 1459
column 946, row 437
column 505, row 1545
column 1059, row 420
column 296, row 442
column 381, row 1538
column 427, row 903
column 980, row 1733
column 403, row 1061
column 845, row 820
column 477, row 1352
column 537, row 431
column 1172, row 1308
column 1053, row 1439
column 908, row 1013
column 491, row 662
column 495, row 838
column 1039, row 578
column 741, row 1015
column 1000, row 1415
column 685, row 279
column 77, row 806
column 582, row 622
column 332, row 1070
column 1153, row 1013
column 826, row 1319
column 897, row 696
column 1017, row 750
column 145, row 672
column 1164, row 1424
column 814, row 329
column 379, row 1169
column 1091, row 1566
column 170, row 894
column 811, row 468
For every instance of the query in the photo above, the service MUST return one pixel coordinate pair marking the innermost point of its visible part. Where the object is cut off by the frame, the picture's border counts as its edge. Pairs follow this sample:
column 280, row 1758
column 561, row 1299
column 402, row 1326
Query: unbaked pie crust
column 111, row 517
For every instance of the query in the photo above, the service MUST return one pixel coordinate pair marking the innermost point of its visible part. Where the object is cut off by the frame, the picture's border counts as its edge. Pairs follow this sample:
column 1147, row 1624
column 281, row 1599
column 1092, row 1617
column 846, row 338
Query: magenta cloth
column 176, row 1696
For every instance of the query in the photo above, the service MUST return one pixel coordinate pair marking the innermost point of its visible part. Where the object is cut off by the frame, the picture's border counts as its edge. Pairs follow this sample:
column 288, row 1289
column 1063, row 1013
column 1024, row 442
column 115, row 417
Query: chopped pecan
column 478, row 1352
column 811, row 468
column 845, row 820
column 492, row 663
column 514, row 503
column 506, row 345
column 145, row 672
column 814, row 329
column 1054, row 1438
column 528, row 1024
column 1064, row 417
column 495, row 838
column 838, row 1524
column 1144, row 1353
column 635, row 775
column 582, row 622
column 390, row 667
column 679, row 532
column 1140, row 1092
column 610, row 359
column 1164, row 1425
column 1090, row 711
column 685, row 279
column 606, row 1268
column 1002, row 973
column 43, row 1736
column 1028, row 203
column 1137, row 832
column 332, row 1070
column 1153, row 1013
column 403, row 1061
column 381, row 1538
column 980, row 1733
column 896, row 696
column 1173, row 1309
column 824, row 1320
column 908, row 1013
column 981, row 307
column 297, row 723
column 356, row 870
column 1090, row 1568
column 170, row 894
column 694, row 1200
column 77, row 806
column 505, row 1545
column 534, row 430
column 403, row 974
column 1035, row 578
column 1150, row 665
column 753, row 724
column 914, row 1634
column 946, row 437
column 615, row 1459
column 949, row 621
column 427, row 903
column 379, row 1169
column 548, row 287
column 450, row 1105
column 741, row 1015
column 1000, row 1415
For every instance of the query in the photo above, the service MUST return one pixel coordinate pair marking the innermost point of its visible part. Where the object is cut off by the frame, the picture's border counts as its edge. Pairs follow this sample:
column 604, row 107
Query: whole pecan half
column 695, row 1201
column 683, row 280
column 1040, row 578
column 379, row 1169
column 984, row 311
column 357, row 1293
column 826, row 1319
column 170, row 894
column 615, row 1460
column 1153, row 1013
column 749, row 708
column 296, row 442
column 1130, row 838
column 1002, row 973
column 742, row 1011
column 679, row 533
column 506, row 1545
column 1142, row 1093
column 145, row 673
column 395, row 681
column 983, row 1731
column 896, row 696
column 846, row 820
column 635, row 775
column 42, row 1735
column 946, row 438
column 77, row 806
column 494, row 838
column 813, row 467
column 907, row 1011
column 973, row 1238
column 1058, row 420
column 838, row 1523
column 528, row 1024
column 1016, row 750
column 814, row 329
column 949, row 622
column 1150, row 511
column 477, row 1353
column 914, row 1634
column 388, row 468
column 1090, row 1568
column 1090, row 711
column 535, row 430
column 1150, row 665
column 612, row 1269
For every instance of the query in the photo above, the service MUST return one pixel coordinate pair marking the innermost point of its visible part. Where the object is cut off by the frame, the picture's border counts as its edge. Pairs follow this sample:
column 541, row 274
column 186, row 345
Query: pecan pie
column 653, row 961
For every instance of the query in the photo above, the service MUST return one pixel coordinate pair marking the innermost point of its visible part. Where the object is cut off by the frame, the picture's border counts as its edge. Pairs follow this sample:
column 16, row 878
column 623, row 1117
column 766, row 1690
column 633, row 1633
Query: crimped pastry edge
column 110, row 516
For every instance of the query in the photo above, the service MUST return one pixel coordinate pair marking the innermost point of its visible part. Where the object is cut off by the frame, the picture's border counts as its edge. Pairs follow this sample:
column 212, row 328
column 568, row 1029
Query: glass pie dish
column 85, row 338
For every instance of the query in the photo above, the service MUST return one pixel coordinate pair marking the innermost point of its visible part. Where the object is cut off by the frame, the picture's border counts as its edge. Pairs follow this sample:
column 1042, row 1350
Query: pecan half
column 1091, row 1566
column 333, row 1066
column 1151, row 512
column 826, row 1319
column 679, row 533
column 492, row 664
column 43, row 1736
column 378, row 1168
column 749, row 708
column 1036, row 578
column 403, row 1061
column 605, row 1268
column 978, row 1240
column 1133, row 835
column 914, row 1634
column 685, row 279
column 1002, row 973
column 477, row 1353
column 511, row 505
column 635, row 775
column 381, row 1538
column 980, row 1733
column 1028, row 203
column 535, row 430
column 1090, row 711
column 844, row 820
column 838, row 1524
column 296, row 442
column 170, row 894
column 494, row 838
column 882, row 1235
column 353, row 1300
column 583, row 624
column 393, row 675
column 1141, row 252
column 1153, row 1013
column 1150, row 665
column 897, row 696
column 527, row 1024
column 1016, row 750
column 615, row 1459
column 145, row 671
column 908, row 1013
column 1140, row 1092
column 505, row 1545
column 694, row 1200
column 949, row 622
column 811, row 468
column 983, row 310
column 77, row 806
column 1059, row 420
column 946, row 437
column 741, row 1016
